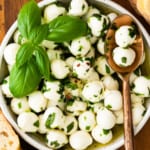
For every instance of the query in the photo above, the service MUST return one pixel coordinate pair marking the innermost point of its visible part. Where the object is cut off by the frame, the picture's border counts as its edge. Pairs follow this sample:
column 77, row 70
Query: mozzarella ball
column 76, row 107
column 18, row 38
column 80, row 140
column 101, row 135
column 92, row 75
column 124, row 57
column 71, row 125
column 19, row 105
column 42, row 128
column 28, row 121
column 110, row 83
column 37, row 101
column 119, row 116
column 60, row 104
column 51, row 90
column 70, row 61
column 81, row 68
column 53, row 117
column 105, row 118
column 52, row 11
column 54, row 54
column 87, row 121
column 112, row 16
column 80, row 46
column 59, row 69
column 113, row 100
column 136, row 99
column 141, row 86
column 5, row 88
column 95, row 106
column 101, row 46
column 102, row 67
column 93, row 91
column 56, row 139
column 138, row 111
column 91, row 11
column 78, row 7
column 10, row 53
column 98, row 24
column 125, row 36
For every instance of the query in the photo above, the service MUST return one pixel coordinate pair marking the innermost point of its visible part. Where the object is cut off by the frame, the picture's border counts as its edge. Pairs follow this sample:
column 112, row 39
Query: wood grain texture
column 142, row 140
column 2, row 26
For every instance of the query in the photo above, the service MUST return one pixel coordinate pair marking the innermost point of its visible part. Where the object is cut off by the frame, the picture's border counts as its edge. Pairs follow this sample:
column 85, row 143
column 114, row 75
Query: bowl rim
column 5, row 110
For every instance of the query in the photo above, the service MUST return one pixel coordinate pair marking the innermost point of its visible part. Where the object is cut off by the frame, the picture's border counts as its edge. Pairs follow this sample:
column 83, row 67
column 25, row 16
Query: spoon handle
column 128, row 126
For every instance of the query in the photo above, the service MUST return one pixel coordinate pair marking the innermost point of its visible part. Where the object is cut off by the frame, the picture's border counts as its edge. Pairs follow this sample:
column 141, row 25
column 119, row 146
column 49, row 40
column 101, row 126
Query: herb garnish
column 32, row 63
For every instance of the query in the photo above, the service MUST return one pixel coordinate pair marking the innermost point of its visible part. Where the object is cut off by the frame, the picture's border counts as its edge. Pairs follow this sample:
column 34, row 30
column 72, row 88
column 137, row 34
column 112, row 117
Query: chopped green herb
column 137, row 72
column 85, row 117
column 50, row 120
column 139, row 94
column 105, row 24
column 83, row 6
column 70, row 127
column 144, row 112
column 87, row 128
column 55, row 144
column 124, row 60
column 80, row 49
column 19, row 105
column 95, row 95
column 99, row 17
column 4, row 81
column 132, row 32
column 132, row 86
column 37, row 123
column 70, row 102
column 72, row 86
column 109, row 106
column 74, row 75
column 44, row 89
column 107, row 69
column 106, row 131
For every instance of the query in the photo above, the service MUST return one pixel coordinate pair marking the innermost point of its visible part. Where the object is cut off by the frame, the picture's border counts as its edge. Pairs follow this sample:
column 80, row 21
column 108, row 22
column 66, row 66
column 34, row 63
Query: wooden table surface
column 8, row 13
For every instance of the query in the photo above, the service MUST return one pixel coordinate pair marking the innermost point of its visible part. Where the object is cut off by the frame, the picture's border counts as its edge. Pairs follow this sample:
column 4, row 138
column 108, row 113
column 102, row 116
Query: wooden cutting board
column 8, row 13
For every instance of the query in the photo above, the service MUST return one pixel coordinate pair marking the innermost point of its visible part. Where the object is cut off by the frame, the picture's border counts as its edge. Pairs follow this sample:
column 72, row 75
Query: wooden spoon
column 125, row 72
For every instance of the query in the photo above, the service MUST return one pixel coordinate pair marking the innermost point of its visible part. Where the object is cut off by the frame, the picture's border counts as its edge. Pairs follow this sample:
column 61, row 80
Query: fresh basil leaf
column 50, row 120
column 29, row 17
column 43, row 62
column 66, row 28
column 25, row 79
column 24, row 54
column 38, row 34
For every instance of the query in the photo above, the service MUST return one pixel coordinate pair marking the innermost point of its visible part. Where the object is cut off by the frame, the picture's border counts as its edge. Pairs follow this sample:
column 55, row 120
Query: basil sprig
column 32, row 63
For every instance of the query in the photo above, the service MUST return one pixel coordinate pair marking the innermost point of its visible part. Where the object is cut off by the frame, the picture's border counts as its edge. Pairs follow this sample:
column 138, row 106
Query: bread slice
column 9, row 140
column 144, row 8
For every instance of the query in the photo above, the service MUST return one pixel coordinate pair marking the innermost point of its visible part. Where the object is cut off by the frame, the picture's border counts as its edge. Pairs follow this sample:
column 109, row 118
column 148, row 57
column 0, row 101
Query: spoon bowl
column 125, row 72
column 137, row 46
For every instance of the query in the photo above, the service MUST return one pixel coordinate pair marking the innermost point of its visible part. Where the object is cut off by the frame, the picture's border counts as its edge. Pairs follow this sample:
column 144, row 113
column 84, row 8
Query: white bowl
column 34, row 140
